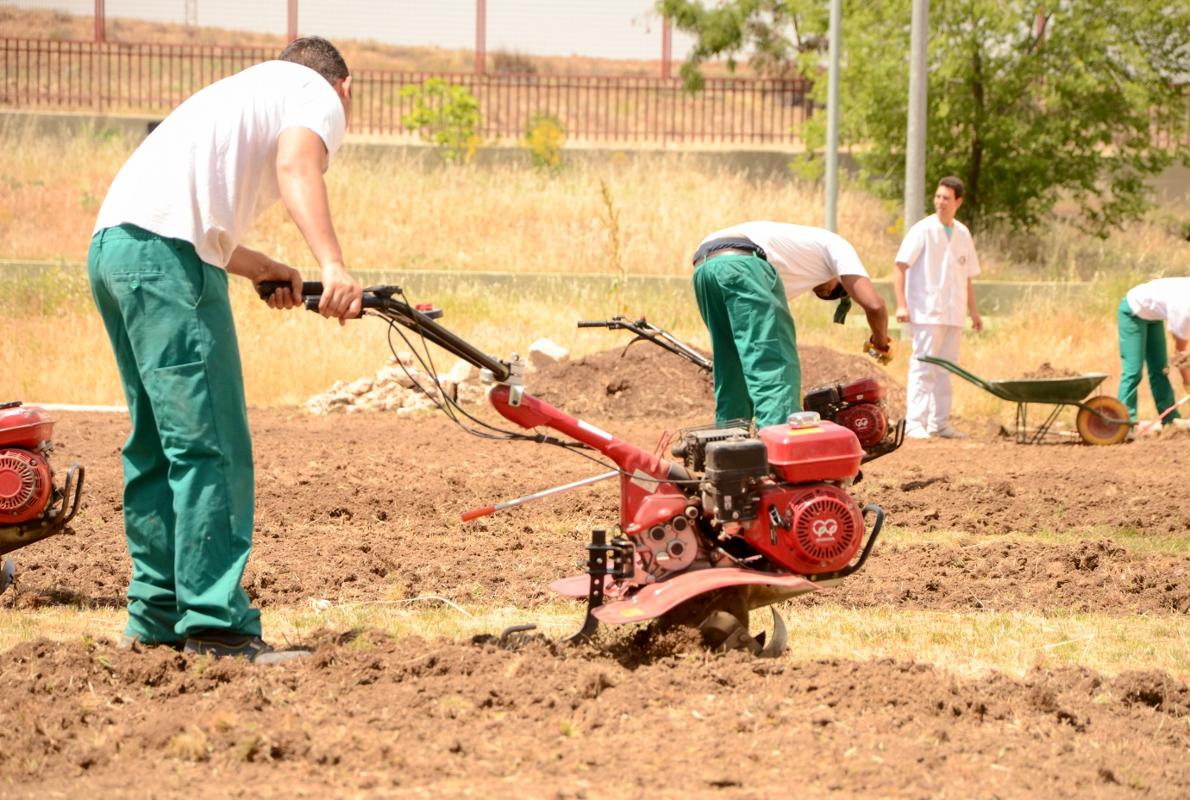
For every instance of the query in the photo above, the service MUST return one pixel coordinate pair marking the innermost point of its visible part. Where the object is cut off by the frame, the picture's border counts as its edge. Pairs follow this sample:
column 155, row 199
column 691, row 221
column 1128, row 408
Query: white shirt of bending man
column 803, row 256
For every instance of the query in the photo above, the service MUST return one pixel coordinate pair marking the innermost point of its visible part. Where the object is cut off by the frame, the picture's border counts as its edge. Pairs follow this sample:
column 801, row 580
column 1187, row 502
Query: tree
column 446, row 115
column 1028, row 104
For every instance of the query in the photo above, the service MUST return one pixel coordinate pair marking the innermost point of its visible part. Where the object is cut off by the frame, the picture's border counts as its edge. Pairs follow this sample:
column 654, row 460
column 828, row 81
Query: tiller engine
column 31, row 506
column 738, row 520
column 857, row 406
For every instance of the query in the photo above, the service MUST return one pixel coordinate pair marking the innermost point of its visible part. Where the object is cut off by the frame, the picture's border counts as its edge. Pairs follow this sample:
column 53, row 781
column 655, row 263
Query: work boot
column 223, row 644
column 136, row 643
column 916, row 433
column 947, row 432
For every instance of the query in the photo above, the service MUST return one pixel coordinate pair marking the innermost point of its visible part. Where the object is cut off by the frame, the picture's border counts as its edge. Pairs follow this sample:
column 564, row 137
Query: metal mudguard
column 653, row 600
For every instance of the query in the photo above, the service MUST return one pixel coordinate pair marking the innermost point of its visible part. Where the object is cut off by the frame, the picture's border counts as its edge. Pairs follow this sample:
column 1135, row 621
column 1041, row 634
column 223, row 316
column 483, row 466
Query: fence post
column 291, row 19
column 100, row 21
column 481, row 36
column 666, row 47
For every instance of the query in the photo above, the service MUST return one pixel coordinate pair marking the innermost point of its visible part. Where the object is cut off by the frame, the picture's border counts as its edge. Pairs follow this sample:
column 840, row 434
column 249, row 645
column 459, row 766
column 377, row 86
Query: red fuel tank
column 810, row 450
column 24, row 426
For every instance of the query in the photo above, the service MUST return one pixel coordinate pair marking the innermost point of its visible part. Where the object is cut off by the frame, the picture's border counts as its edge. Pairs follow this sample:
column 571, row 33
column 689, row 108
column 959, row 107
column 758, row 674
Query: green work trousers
column 188, row 479
column 753, row 340
column 1142, row 344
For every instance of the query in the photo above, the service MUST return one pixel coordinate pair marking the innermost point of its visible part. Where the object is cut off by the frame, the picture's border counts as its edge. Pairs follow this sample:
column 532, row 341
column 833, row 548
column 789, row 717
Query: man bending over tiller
column 742, row 276
column 167, row 235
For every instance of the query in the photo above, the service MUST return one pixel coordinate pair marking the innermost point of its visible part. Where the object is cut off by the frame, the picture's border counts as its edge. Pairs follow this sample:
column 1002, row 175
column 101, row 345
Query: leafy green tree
column 1029, row 103
column 448, row 116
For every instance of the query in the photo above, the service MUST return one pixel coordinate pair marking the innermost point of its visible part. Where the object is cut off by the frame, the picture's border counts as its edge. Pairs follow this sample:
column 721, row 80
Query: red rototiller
column 736, row 520
column 31, row 506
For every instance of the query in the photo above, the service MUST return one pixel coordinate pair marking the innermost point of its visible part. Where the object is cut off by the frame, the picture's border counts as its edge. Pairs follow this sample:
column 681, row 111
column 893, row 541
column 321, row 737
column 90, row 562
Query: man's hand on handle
column 289, row 297
column 342, row 295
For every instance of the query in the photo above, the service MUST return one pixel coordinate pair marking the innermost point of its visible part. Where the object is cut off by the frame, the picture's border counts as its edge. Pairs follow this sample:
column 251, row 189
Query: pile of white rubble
column 401, row 386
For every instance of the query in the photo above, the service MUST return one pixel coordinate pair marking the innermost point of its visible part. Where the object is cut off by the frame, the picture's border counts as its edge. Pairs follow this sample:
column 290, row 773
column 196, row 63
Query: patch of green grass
column 966, row 643
column 1131, row 539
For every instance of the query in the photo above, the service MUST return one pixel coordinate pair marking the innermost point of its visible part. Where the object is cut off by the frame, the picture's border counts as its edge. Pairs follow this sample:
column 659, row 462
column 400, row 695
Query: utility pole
column 915, row 144
column 291, row 20
column 481, row 36
column 832, row 119
column 191, row 13
column 100, row 22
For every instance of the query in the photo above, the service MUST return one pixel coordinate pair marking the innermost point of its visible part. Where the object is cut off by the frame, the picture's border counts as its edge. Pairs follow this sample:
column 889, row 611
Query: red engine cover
column 24, row 426
column 866, row 420
column 863, row 390
column 822, row 451
column 25, row 485
column 808, row 530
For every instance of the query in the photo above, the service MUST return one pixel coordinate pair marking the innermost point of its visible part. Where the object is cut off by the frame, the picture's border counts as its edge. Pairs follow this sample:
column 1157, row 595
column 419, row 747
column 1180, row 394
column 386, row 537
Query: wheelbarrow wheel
column 1102, row 420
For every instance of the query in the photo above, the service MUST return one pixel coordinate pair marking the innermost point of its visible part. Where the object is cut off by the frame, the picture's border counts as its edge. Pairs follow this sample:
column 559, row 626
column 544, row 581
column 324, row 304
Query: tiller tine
column 604, row 559
column 7, row 572
column 723, row 631
column 779, row 642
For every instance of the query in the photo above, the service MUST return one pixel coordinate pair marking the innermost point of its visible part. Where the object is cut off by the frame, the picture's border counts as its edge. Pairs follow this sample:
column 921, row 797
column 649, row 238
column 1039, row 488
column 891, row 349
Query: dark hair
column 954, row 184
column 319, row 55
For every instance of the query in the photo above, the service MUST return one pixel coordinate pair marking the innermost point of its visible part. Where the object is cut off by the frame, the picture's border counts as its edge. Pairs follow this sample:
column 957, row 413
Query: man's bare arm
column 1182, row 348
column 258, row 267
column 301, row 161
column 866, row 297
column 899, row 288
column 972, row 307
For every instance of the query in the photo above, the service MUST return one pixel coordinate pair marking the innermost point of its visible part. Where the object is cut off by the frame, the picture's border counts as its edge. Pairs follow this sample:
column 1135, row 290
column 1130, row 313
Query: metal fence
column 154, row 78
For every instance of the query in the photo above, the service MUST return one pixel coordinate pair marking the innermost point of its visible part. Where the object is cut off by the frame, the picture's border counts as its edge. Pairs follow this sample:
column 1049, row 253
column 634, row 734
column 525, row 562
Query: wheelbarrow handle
column 962, row 373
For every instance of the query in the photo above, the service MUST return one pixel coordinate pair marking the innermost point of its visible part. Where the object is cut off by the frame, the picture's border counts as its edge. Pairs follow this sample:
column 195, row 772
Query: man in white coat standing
column 935, row 265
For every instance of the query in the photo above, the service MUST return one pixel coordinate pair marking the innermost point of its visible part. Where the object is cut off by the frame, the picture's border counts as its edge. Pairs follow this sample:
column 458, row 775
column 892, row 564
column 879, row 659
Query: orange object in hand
column 883, row 355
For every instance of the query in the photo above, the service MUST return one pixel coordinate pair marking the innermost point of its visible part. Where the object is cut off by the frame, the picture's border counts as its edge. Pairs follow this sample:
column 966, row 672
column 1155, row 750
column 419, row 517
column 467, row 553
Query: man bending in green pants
column 742, row 276
column 1142, row 316
column 167, row 236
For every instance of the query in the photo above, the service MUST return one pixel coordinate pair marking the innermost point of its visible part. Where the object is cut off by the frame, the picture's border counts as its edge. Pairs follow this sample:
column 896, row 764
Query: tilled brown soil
column 413, row 718
column 364, row 506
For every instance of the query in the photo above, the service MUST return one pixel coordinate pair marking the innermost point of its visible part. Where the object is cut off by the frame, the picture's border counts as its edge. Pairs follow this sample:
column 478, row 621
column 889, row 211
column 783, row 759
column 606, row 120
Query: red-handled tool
column 483, row 512
column 1149, row 426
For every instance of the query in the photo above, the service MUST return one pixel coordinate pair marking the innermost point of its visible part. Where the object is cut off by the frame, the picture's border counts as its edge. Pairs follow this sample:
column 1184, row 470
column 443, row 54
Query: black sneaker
column 224, row 644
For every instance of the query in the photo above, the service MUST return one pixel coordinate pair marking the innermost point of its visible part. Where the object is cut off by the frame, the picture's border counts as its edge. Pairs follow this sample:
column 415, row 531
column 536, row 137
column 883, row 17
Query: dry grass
column 393, row 212
column 969, row 644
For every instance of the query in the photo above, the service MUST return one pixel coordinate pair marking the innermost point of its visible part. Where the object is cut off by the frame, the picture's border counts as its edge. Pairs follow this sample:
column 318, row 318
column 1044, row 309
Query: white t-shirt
column 939, row 267
column 1164, row 299
column 803, row 256
column 209, row 169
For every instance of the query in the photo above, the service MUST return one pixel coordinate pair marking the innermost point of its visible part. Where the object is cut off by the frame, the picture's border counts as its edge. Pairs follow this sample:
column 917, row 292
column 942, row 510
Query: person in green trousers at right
column 742, row 277
column 1142, row 317
column 167, row 236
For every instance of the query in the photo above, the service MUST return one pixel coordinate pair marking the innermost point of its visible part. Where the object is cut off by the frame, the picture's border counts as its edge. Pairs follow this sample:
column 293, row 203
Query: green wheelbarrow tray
column 1101, row 419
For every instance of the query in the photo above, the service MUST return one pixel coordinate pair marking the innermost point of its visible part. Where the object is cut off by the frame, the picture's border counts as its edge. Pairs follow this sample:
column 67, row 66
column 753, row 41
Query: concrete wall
column 996, row 298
